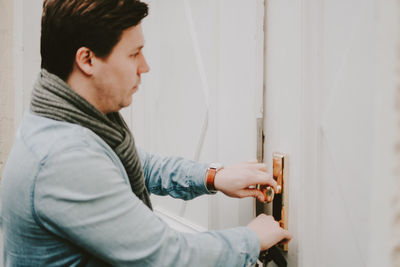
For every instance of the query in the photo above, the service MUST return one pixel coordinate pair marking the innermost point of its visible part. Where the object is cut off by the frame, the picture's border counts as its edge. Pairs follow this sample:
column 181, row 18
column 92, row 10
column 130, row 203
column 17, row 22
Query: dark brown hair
column 68, row 25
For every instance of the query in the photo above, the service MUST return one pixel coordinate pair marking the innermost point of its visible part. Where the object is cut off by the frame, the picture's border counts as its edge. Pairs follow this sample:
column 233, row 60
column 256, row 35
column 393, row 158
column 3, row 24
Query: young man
column 75, row 191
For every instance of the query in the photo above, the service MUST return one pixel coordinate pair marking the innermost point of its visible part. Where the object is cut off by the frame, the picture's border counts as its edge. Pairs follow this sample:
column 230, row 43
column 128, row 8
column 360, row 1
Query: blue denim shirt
column 66, row 201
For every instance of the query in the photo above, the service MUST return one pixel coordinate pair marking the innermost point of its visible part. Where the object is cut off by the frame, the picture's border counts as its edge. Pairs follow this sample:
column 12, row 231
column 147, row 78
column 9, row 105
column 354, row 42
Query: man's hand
column 268, row 231
column 236, row 180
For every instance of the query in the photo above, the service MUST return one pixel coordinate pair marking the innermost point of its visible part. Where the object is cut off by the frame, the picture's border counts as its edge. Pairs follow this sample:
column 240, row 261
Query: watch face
column 216, row 165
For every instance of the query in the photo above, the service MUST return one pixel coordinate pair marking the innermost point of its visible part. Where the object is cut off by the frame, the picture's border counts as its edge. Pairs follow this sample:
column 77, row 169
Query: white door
column 202, row 96
column 330, row 86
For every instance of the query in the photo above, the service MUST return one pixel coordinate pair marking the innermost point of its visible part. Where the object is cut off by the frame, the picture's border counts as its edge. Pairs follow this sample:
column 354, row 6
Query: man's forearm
column 174, row 176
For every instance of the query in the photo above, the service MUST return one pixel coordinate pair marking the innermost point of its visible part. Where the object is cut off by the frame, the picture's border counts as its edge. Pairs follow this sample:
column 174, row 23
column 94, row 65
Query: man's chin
column 127, row 103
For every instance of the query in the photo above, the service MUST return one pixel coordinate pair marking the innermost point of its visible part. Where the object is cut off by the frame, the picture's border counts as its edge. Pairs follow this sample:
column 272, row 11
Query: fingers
column 261, row 175
column 251, row 193
column 256, row 193
column 262, row 178
column 287, row 236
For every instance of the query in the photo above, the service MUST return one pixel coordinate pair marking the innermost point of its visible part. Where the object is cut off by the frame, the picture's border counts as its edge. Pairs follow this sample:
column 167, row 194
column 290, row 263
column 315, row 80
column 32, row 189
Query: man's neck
column 83, row 87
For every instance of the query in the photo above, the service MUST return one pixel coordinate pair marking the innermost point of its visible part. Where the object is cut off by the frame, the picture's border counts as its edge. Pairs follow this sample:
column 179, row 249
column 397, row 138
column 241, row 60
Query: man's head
column 96, row 46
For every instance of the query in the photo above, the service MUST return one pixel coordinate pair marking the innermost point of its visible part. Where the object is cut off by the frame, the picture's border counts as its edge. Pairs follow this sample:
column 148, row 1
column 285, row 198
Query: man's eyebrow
column 139, row 48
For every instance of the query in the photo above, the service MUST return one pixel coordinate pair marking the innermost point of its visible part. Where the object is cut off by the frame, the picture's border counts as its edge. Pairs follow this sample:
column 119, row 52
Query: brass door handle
column 278, row 174
column 269, row 193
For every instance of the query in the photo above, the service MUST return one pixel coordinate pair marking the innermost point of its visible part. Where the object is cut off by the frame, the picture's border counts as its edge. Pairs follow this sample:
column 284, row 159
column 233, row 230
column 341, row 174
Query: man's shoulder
column 44, row 136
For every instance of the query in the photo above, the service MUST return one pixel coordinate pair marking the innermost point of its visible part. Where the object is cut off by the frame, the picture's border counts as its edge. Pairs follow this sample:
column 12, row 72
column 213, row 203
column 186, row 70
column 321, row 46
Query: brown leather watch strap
column 211, row 172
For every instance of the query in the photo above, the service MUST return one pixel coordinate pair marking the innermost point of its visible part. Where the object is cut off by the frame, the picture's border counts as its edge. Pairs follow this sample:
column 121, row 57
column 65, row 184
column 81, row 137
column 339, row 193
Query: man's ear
column 84, row 60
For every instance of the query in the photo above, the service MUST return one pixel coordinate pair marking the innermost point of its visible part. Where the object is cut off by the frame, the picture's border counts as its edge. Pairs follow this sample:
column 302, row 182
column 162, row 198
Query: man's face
column 117, row 77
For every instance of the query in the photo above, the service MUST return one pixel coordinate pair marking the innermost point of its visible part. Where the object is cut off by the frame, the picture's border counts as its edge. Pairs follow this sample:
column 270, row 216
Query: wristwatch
column 210, row 176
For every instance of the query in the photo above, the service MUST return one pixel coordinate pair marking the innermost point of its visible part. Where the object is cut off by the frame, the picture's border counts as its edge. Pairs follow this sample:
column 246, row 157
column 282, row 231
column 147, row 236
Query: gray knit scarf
column 54, row 99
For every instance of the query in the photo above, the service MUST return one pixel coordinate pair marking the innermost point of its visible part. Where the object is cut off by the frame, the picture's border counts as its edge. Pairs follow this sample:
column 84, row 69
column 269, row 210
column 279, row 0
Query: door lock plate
column 280, row 199
column 277, row 199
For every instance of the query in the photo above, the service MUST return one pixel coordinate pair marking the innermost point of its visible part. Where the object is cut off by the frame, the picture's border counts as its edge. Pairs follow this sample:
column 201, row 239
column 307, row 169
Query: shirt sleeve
column 81, row 196
column 174, row 176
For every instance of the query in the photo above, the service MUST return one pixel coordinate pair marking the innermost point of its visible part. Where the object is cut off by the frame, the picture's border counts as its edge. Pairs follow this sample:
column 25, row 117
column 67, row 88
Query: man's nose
column 144, row 67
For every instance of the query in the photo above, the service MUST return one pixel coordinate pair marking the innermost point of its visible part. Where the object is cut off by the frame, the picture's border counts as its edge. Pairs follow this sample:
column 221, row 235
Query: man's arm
column 186, row 179
column 174, row 176
column 81, row 196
